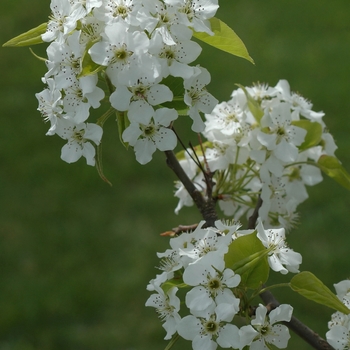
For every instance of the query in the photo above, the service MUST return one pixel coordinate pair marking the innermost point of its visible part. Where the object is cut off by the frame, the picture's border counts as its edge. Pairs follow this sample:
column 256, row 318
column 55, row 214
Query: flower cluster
column 339, row 327
column 265, row 141
column 195, row 268
column 134, row 45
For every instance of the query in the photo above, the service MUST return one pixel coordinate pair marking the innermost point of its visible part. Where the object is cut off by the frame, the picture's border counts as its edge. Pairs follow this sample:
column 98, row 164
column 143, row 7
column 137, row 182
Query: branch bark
column 206, row 206
column 294, row 324
column 303, row 331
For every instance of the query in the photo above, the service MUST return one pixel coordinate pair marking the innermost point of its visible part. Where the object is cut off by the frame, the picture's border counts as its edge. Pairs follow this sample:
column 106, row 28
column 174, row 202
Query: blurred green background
column 76, row 254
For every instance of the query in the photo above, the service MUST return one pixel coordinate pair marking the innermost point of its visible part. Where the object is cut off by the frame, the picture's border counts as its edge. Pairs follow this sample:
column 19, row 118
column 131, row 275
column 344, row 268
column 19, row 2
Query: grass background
column 76, row 254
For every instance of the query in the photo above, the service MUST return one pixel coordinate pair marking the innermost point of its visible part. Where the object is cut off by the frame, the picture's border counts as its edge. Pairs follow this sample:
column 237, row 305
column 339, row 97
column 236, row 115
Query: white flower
column 212, row 283
column 139, row 96
column 80, row 96
column 206, row 241
column 282, row 137
column 50, row 105
column 175, row 58
column 167, row 306
column 62, row 21
column 79, row 138
column 339, row 319
column 85, row 6
column 120, row 51
column 339, row 337
column 196, row 13
column 343, row 292
column 119, row 11
column 64, row 61
column 198, row 98
column 264, row 330
column 149, row 134
column 281, row 258
column 206, row 332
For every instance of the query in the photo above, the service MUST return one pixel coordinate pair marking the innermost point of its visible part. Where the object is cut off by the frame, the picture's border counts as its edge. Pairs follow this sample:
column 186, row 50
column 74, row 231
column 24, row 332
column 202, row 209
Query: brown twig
column 176, row 231
column 297, row 326
column 205, row 206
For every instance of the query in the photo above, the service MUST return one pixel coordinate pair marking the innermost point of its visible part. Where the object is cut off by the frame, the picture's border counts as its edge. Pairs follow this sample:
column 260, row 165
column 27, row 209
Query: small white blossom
column 167, row 306
column 212, row 329
column 81, row 138
column 212, row 284
column 147, row 135
column 264, row 330
column 281, row 258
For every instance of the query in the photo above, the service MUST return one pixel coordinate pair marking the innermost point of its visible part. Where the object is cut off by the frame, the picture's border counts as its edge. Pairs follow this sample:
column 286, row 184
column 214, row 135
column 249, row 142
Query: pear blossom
column 212, row 329
column 264, row 330
column 175, row 58
column 150, row 132
column 62, row 21
column 196, row 13
column 81, row 139
column 167, row 306
column 282, row 137
column 212, row 283
column 198, row 98
column 281, row 258
column 50, row 105
column 82, row 95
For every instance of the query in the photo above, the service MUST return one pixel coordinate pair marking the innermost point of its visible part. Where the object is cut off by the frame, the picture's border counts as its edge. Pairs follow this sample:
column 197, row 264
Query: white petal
column 225, row 312
column 279, row 337
column 203, row 342
column 165, row 139
column 144, row 150
column 281, row 313
column 189, row 327
column 158, row 94
column 120, row 98
column 71, row 152
column 198, row 299
column 229, row 337
column 247, row 335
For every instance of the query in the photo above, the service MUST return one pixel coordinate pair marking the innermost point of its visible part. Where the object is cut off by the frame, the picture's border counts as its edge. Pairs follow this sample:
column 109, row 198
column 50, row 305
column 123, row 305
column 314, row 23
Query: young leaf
column 224, row 39
column 309, row 286
column 247, row 257
column 123, row 122
column 253, row 105
column 314, row 133
column 99, row 164
column 332, row 167
column 32, row 37
column 89, row 66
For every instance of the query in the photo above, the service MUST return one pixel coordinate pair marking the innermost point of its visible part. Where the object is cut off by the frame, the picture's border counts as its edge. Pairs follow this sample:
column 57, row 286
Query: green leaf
column 308, row 285
column 224, row 39
column 123, row 122
column 332, row 167
column 32, row 37
column 175, row 84
column 247, row 257
column 314, row 133
column 89, row 66
column 99, row 164
column 253, row 105
column 166, row 286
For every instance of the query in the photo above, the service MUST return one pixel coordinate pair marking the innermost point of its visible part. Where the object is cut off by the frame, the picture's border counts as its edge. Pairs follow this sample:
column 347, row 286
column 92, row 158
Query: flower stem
column 172, row 342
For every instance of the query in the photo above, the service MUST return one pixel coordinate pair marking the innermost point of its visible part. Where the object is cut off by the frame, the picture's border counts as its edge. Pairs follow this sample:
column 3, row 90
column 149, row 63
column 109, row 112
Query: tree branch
column 294, row 324
column 205, row 206
column 298, row 327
